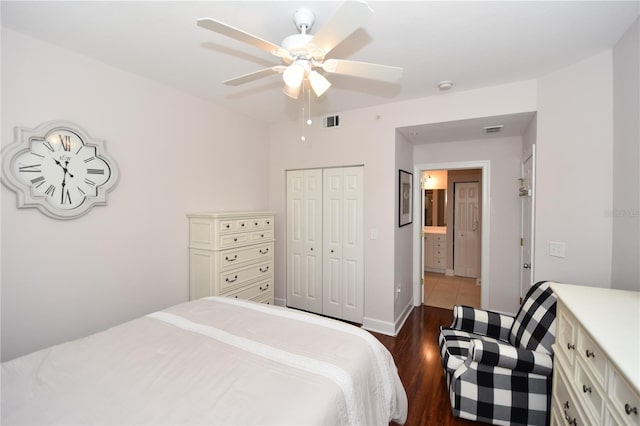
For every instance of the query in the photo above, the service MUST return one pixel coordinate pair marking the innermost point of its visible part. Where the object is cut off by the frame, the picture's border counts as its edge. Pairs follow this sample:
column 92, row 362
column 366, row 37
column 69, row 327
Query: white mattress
column 210, row 361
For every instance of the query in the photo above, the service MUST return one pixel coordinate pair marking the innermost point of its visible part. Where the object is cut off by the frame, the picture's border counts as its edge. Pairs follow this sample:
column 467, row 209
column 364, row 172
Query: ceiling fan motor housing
column 303, row 18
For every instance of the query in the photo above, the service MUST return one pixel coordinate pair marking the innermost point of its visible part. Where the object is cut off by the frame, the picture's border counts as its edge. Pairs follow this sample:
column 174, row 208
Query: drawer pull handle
column 586, row 388
column 265, row 251
column 261, row 235
column 230, row 260
column 590, row 354
column 570, row 346
column 264, row 270
column 566, row 405
column 235, row 239
column 232, row 280
column 242, row 225
column 268, row 222
column 629, row 409
column 265, row 288
column 255, row 223
column 227, row 226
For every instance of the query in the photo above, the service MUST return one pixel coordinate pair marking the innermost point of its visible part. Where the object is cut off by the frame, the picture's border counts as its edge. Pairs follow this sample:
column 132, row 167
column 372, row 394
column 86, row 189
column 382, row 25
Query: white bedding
column 210, row 361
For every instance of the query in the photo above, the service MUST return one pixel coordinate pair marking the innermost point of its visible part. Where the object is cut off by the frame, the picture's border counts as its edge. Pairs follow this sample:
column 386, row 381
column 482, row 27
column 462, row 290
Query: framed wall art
column 405, row 198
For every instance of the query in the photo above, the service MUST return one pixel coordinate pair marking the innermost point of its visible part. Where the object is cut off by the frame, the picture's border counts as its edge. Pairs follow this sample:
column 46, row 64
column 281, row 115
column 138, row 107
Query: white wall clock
column 59, row 169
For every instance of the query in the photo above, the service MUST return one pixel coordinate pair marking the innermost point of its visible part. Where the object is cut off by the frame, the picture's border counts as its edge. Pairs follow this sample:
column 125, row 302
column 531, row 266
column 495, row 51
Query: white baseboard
column 377, row 326
column 448, row 272
column 279, row 302
column 385, row 327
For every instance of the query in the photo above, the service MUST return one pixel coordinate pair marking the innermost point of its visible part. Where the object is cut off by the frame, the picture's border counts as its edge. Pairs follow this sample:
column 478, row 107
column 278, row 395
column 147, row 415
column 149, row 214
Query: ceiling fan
column 303, row 53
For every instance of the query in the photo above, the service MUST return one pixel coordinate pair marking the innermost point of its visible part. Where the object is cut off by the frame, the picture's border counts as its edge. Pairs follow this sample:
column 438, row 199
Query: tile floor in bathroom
column 444, row 291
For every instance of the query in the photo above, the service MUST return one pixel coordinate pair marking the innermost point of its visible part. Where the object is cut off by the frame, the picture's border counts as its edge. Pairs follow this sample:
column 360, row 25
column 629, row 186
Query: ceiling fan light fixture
column 319, row 83
column 292, row 92
column 293, row 75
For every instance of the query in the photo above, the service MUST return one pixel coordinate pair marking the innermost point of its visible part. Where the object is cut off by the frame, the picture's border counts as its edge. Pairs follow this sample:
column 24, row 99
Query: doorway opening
column 465, row 230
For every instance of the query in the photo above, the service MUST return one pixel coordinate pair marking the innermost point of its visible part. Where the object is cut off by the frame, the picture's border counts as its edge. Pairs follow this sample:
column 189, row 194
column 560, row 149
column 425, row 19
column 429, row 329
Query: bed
column 210, row 361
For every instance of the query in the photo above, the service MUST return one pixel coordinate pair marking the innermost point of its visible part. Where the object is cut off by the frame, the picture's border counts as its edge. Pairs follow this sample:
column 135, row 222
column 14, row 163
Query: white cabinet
column 325, row 254
column 231, row 254
column 597, row 352
column 435, row 252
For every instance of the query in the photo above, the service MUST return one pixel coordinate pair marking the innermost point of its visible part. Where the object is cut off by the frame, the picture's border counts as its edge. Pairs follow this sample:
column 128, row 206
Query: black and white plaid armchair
column 498, row 368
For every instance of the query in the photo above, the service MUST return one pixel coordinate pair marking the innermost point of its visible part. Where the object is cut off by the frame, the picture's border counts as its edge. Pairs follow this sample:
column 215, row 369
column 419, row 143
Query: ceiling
column 474, row 44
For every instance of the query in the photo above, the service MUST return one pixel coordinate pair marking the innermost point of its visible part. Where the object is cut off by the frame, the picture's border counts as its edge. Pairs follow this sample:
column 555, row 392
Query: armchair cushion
column 504, row 355
column 479, row 321
column 454, row 346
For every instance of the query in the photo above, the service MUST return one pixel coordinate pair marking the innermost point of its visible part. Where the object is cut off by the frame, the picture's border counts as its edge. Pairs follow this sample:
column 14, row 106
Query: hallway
column 444, row 291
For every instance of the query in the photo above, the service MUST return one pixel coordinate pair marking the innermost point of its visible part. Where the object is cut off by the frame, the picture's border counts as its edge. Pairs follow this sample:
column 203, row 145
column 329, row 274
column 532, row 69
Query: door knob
column 526, row 266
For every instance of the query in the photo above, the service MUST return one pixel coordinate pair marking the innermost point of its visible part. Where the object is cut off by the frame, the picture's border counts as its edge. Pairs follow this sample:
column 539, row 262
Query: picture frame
column 405, row 198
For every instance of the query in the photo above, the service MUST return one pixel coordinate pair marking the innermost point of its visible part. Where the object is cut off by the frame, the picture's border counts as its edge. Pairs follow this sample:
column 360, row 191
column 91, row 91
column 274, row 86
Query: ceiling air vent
column 329, row 121
column 493, row 129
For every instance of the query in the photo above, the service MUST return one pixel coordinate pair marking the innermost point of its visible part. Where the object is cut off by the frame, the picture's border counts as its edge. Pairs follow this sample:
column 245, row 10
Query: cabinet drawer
column 440, row 238
column 570, row 411
column 258, row 236
column 258, row 291
column 439, row 253
column 237, row 278
column 439, row 246
column 625, row 402
column 566, row 334
column 262, row 223
column 593, row 357
column 233, row 240
column 590, row 392
column 234, row 258
column 439, row 263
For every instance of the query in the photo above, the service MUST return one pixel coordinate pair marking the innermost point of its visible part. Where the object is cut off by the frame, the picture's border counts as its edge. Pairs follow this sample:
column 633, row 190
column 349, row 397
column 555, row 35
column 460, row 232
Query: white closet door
column 304, row 240
column 343, row 262
column 466, row 246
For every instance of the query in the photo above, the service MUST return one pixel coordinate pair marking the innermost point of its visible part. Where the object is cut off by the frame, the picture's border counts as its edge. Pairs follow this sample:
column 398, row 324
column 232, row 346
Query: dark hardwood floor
column 416, row 353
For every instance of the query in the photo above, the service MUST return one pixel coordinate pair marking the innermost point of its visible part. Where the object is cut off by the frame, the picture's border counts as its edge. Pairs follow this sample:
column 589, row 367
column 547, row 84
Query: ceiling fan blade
column 255, row 75
column 351, row 16
column 236, row 34
column 363, row 69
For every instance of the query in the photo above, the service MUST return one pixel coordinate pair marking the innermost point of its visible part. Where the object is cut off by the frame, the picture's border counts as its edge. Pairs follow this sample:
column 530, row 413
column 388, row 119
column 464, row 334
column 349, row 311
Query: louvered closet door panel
column 304, row 240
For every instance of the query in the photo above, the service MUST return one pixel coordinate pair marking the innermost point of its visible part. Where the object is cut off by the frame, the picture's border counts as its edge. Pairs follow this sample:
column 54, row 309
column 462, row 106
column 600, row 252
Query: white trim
column 403, row 317
column 377, row 326
column 485, row 166
column 278, row 301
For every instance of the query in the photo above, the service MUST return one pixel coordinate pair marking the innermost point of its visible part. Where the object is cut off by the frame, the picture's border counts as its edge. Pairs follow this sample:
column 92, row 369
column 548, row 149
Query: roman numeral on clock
column 50, row 190
column 38, row 182
column 66, row 198
column 89, row 182
column 65, row 141
column 33, row 168
column 95, row 171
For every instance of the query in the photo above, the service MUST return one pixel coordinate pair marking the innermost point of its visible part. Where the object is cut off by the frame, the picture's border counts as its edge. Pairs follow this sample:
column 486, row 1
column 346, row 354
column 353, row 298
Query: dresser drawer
column 566, row 335
column 258, row 292
column 593, row 357
column 262, row 223
column 568, row 407
column 590, row 392
column 439, row 238
column 234, row 258
column 256, row 237
column 439, row 253
column 232, row 280
column 625, row 403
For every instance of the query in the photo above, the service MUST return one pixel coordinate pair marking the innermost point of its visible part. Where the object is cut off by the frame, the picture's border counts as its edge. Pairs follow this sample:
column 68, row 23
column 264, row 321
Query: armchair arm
column 507, row 356
column 479, row 321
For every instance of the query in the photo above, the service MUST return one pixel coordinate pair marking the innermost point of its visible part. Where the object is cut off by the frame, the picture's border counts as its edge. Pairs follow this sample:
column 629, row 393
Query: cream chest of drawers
column 597, row 357
column 435, row 252
column 231, row 254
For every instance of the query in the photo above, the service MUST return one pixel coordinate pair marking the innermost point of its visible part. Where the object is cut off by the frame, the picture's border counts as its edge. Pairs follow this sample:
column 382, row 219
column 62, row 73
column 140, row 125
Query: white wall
column 625, row 272
column 574, row 172
column 176, row 154
column 367, row 136
column 504, row 156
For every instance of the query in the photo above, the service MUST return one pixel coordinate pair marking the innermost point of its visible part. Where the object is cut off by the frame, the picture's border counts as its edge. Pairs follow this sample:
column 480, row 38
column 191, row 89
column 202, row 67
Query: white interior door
column 466, row 241
column 343, row 242
column 526, row 223
column 304, row 240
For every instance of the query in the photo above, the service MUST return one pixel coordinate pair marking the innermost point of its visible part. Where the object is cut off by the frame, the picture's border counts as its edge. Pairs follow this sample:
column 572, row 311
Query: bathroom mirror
column 435, row 207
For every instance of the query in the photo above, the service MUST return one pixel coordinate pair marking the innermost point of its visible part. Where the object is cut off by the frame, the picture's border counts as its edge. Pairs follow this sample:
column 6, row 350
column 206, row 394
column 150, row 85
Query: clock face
column 62, row 169
column 58, row 169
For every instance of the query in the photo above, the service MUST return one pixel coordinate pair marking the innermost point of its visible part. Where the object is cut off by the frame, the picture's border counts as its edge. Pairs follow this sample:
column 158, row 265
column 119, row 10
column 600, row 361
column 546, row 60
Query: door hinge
column 521, row 242
column 521, row 300
column 421, row 281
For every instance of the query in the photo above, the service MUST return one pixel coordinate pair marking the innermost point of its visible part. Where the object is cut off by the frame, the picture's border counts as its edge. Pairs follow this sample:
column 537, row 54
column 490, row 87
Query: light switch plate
column 557, row 249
